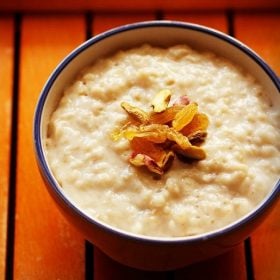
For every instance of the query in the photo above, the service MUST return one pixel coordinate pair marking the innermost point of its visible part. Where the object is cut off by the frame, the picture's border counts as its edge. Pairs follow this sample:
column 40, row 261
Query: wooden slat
column 73, row 5
column 104, row 267
column 265, row 247
column 234, row 260
column 261, row 33
column 105, row 21
column 6, row 80
column 214, row 20
column 46, row 246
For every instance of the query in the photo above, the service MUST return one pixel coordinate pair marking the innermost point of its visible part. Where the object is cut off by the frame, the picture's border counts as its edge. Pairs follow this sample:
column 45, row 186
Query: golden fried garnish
column 184, row 116
column 156, row 137
column 150, row 155
column 135, row 113
column 166, row 116
column 192, row 152
column 161, row 100
column 144, row 160
column 199, row 122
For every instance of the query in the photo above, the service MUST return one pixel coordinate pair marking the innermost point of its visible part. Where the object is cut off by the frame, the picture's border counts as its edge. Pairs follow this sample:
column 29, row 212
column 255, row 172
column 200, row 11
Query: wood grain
column 136, row 5
column 46, row 246
column 6, row 90
column 232, row 263
column 217, row 268
column 261, row 33
column 104, row 267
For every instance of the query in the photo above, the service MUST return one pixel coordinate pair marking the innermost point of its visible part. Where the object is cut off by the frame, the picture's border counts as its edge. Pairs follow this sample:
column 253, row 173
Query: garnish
column 156, row 137
column 161, row 100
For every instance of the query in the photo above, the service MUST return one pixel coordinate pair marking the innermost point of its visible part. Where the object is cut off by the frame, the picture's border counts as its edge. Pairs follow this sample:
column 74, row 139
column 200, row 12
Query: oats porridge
column 242, row 146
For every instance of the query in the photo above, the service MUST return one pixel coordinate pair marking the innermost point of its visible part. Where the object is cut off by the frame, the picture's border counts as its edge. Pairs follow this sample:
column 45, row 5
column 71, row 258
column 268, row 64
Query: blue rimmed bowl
column 144, row 252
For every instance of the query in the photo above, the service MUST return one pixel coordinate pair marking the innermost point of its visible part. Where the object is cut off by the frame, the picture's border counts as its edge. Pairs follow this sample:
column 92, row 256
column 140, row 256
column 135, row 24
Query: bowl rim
column 48, row 176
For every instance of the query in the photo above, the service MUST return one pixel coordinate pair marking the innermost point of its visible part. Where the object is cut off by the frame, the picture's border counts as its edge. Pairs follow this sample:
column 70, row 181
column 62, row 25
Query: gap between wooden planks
column 46, row 246
column 6, row 92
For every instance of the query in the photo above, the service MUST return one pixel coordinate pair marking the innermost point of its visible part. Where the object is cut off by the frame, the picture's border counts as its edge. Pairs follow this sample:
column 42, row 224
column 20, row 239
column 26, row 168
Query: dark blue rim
column 147, row 24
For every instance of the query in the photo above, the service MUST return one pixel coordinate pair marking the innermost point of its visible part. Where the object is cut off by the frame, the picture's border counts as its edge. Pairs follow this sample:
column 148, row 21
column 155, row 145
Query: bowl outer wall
column 169, row 253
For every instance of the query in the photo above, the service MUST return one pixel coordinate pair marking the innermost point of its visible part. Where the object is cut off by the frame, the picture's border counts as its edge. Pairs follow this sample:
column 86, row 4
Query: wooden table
column 36, row 242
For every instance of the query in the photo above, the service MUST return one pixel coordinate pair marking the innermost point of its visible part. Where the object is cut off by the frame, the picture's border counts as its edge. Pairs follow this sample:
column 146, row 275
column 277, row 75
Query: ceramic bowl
column 142, row 252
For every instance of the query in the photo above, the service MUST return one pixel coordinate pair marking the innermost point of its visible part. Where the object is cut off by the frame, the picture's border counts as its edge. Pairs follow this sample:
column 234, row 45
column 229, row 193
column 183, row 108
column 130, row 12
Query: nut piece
column 161, row 100
column 135, row 112
column 193, row 152
column 199, row 122
column 166, row 116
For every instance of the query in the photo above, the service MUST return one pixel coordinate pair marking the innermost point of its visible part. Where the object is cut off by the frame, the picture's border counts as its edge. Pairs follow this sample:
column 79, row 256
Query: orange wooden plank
column 215, row 20
column 46, row 246
column 73, row 5
column 104, row 267
column 6, row 82
column 105, row 21
column 234, row 260
column 261, row 33
column 265, row 248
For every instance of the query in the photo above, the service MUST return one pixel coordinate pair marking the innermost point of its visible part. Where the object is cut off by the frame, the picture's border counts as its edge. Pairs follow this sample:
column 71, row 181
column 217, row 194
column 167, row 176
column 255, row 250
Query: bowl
column 144, row 252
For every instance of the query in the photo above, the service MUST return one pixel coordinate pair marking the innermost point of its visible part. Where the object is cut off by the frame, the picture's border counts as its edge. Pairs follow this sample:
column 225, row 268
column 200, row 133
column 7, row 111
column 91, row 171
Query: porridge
column 242, row 146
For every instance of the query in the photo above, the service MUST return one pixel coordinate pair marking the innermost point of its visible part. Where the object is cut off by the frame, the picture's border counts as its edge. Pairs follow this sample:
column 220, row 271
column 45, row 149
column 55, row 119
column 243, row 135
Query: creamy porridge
column 242, row 146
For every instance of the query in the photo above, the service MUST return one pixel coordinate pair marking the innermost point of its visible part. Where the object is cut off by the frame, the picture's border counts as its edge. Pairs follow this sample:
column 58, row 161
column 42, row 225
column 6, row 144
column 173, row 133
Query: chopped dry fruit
column 136, row 113
column 197, row 136
column 151, row 155
column 161, row 100
column 156, row 137
column 199, row 123
column 182, row 100
column 192, row 152
column 166, row 116
column 184, row 116
column 144, row 160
